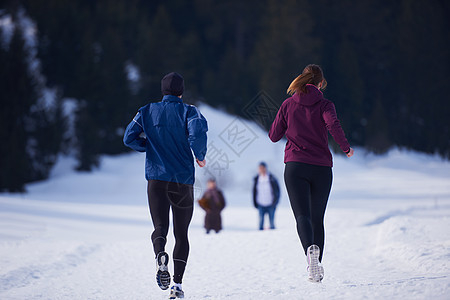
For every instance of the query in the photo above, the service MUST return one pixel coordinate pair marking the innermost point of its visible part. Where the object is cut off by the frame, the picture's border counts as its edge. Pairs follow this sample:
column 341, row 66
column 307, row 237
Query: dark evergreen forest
column 386, row 62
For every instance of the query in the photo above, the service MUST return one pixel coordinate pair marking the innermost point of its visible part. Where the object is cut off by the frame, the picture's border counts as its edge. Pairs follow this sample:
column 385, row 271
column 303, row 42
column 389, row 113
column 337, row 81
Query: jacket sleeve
column 275, row 189
column 255, row 180
column 334, row 126
column 132, row 137
column 197, row 127
column 279, row 126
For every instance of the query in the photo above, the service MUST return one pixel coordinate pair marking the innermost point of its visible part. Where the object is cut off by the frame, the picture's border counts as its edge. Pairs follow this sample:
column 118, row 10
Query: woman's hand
column 351, row 152
column 202, row 163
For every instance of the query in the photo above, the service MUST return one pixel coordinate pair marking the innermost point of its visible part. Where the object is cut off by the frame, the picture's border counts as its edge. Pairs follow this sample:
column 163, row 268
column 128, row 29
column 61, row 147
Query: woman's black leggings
column 162, row 195
column 308, row 187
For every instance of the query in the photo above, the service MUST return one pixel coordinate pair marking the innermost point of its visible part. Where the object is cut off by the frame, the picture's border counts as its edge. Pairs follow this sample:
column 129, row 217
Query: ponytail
column 299, row 83
column 312, row 74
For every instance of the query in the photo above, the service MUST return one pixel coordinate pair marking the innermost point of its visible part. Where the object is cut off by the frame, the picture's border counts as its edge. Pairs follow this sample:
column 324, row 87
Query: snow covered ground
column 86, row 235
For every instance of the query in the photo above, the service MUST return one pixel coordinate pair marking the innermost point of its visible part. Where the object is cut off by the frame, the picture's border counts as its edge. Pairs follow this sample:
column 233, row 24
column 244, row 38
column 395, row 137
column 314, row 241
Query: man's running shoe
column 162, row 271
column 176, row 292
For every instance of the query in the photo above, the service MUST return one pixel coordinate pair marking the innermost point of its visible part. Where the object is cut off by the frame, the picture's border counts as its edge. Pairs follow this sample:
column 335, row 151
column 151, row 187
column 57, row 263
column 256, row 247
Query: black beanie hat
column 172, row 84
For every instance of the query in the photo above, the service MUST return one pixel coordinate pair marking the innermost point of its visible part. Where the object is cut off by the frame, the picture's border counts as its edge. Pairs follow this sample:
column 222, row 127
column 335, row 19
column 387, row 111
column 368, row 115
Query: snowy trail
column 87, row 236
column 85, row 259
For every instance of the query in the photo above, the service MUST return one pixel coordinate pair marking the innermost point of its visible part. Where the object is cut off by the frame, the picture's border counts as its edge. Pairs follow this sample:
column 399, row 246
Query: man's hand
column 202, row 163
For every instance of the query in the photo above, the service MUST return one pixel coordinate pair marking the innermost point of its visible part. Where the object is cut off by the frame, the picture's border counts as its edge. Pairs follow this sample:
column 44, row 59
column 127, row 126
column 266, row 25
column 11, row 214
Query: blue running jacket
column 172, row 128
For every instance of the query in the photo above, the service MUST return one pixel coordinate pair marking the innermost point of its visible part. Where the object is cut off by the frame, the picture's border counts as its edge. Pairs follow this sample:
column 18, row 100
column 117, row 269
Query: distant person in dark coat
column 266, row 194
column 213, row 203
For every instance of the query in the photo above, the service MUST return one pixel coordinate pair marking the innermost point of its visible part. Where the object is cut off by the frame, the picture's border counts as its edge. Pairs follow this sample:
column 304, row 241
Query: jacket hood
column 313, row 96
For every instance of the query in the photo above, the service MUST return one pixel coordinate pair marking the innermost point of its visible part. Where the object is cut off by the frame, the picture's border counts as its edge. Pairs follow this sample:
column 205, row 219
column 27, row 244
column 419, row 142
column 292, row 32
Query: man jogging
column 167, row 131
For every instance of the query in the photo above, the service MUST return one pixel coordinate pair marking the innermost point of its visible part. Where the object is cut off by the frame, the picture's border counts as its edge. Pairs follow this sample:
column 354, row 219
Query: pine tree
column 377, row 130
column 422, row 50
column 45, row 135
column 350, row 88
column 17, row 97
column 158, row 52
column 286, row 45
column 30, row 122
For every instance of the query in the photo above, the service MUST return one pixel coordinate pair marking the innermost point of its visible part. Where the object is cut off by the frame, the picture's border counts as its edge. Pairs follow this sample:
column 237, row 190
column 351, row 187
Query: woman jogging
column 171, row 130
column 305, row 119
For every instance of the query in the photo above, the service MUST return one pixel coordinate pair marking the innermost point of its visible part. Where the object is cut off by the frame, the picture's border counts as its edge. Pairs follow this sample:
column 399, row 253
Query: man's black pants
column 163, row 195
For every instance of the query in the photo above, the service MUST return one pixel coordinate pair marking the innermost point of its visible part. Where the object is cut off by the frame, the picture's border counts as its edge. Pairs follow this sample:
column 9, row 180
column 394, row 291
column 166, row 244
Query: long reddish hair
column 312, row 74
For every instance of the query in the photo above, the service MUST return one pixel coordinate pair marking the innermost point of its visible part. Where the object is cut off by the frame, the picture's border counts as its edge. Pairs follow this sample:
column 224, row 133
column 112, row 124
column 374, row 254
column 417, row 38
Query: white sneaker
column 315, row 271
column 162, row 271
column 176, row 292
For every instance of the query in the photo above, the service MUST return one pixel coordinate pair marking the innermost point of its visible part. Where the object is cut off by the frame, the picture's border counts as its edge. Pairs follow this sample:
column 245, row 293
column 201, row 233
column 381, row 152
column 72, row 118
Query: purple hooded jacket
column 305, row 120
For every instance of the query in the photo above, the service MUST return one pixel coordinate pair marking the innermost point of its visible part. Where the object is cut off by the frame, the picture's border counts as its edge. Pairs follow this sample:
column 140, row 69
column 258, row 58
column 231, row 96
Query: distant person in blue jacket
column 169, row 132
column 266, row 193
